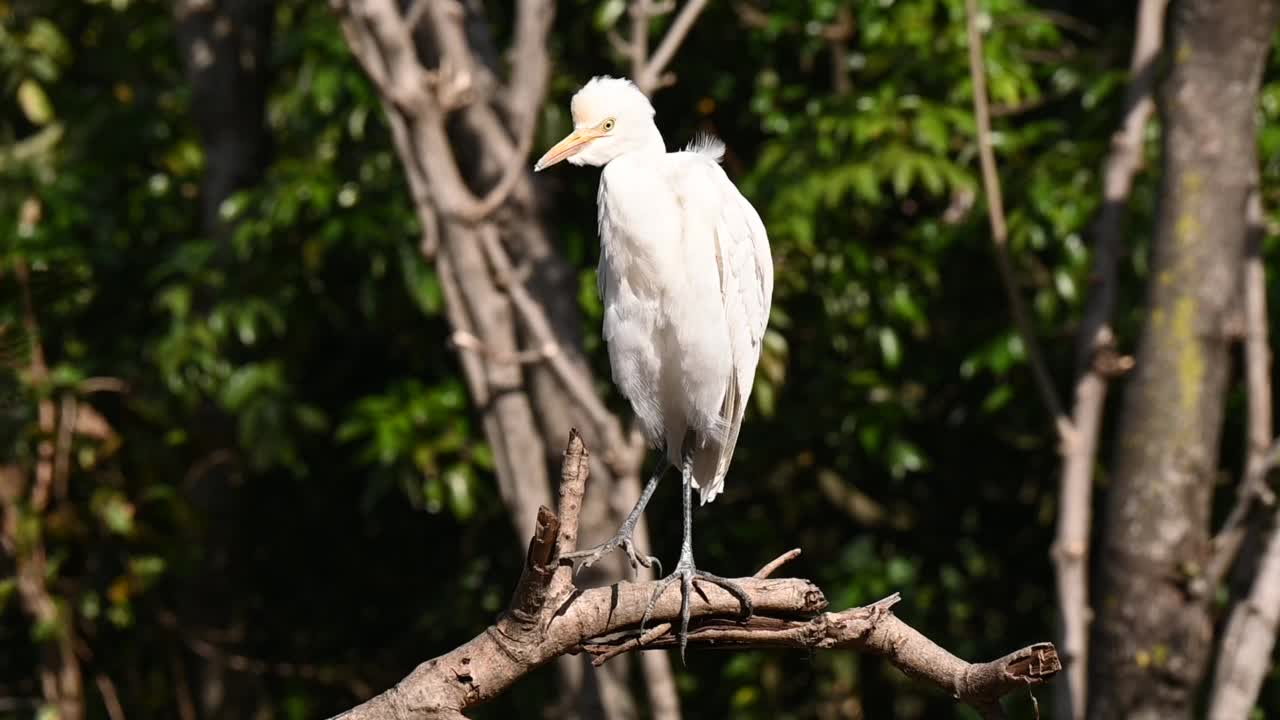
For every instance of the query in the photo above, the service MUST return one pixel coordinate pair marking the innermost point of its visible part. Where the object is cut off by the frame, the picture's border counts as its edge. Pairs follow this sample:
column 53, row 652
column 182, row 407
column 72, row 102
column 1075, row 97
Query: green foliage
column 426, row 433
column 291, row 448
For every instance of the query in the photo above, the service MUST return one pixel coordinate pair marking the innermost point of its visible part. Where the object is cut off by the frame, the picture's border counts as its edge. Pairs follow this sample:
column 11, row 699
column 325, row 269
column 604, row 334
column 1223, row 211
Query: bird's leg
column 686, row 572
column 622, row 539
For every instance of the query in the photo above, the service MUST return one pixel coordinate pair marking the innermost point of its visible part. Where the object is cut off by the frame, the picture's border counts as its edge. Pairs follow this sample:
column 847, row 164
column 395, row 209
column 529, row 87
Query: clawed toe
column 637, row 560
column 686, row 573
column 586, row 558
column 731, row 587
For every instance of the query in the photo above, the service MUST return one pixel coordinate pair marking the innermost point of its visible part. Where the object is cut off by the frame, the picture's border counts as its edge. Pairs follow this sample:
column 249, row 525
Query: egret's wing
column 746, row 284
column 604, row 227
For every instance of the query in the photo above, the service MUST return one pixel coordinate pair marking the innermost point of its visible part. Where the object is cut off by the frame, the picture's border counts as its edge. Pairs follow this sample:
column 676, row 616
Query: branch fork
column 549, row 617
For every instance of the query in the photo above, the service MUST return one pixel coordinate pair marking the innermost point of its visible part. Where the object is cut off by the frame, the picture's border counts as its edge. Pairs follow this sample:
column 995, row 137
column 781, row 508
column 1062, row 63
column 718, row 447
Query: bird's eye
column 607, row 125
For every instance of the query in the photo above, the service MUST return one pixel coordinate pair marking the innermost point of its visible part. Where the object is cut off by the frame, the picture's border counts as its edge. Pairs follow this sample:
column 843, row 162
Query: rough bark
column 1098, row 361
column 548, row 617
column 1153, row 636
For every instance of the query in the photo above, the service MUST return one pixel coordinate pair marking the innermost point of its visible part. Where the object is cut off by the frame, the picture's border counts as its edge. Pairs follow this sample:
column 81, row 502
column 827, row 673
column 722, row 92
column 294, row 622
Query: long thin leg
column 686, row 572
column 622, row 539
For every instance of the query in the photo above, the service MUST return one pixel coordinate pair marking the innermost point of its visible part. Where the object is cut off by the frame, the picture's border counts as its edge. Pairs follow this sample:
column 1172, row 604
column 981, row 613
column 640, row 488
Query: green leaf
column 903, row 174
column 114, row 510
column 7, row 587
column 34, row 102
column 931, row 131
column 890, row 348
column 997, row 398
column 607, row 13
column 420, row 281
column 905, row 457
column 249, row 381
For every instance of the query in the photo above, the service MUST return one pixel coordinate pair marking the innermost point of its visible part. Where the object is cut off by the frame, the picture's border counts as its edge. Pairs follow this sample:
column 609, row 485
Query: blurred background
column 277, row 409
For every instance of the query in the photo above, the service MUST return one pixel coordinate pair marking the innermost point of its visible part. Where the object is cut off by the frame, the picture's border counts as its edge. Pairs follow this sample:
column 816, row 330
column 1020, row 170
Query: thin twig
column 182, row 687
column 1260, row 446
column 648, row 636
column 39, row 374
column 62, row 450
column 638, row 49
column 651, row 78
column 534, row 319
column 1249, row 638
column 110, row 698
column 1000, row 232
column 238, row 662
column 1097, row 361
column 772, row 566
column 464, row 340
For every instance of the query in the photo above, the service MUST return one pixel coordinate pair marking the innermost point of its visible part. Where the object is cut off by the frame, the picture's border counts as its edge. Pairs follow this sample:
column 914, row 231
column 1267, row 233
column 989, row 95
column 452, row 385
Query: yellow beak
column 567, row 148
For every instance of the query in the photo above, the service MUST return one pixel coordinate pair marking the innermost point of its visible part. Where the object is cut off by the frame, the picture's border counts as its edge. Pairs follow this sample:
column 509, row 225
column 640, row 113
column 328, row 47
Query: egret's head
column 610, row 117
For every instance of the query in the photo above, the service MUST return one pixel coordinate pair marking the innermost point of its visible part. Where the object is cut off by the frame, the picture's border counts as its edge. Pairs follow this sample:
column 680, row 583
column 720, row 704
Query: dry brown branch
column 1000, row 231
column 648, row 72
column 652, row 76
column 549, row 617
column 38, row 370
column 110, row 698
column 182, row 694
column 1261, row 448
column 1096, row 355
column 1248, row 641
column 206, row 645
column 464, row 340
column 536, row 323
column 61, row 681
column 1249, row 638
column 772, row 566
column 67, row 421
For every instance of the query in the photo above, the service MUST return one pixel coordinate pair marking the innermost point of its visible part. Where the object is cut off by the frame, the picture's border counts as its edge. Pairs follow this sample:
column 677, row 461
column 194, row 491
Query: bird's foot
column 589, row 557
column 686, row 573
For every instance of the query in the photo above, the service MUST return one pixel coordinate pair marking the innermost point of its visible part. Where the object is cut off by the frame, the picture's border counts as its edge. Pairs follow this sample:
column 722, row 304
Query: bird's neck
column 650, row 142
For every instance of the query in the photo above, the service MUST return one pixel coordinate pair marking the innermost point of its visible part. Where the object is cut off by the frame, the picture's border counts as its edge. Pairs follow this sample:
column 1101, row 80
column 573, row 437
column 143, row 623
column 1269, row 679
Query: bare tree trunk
column 1153, row 637
column 463, row 131
column 225, row 47
column 1099, row 360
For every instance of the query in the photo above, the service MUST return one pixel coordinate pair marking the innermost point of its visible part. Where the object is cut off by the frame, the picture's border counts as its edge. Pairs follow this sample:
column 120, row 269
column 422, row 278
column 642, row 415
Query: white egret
column 686, row 279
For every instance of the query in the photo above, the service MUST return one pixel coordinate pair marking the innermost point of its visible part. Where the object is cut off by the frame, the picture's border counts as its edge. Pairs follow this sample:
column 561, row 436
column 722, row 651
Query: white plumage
column 686, row 279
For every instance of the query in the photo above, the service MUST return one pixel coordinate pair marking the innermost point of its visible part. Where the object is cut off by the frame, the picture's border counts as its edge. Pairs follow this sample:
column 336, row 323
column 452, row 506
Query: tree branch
column 530, row 65
column 463, row 129
column 651, row 78
column 648, row 72
column 1250, row 634
column 1000, row 232
column 60, row 673
column 382, row 40
column 1097, row 357
column 535, row 322
column 1261, row 449
column 549, row 617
